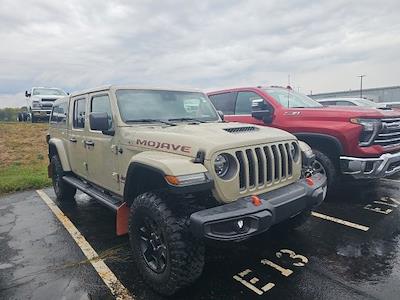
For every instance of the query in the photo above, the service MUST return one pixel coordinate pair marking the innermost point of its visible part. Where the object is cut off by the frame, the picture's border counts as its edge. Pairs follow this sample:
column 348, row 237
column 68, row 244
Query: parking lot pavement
column 38, row 258
column 349, row 249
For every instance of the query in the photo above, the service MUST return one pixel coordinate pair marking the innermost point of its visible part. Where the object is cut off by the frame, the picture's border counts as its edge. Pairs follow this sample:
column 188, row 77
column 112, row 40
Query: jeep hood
column 188, row 139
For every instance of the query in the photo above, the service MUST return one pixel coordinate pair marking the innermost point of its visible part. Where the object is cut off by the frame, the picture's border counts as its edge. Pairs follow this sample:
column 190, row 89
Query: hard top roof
column 133, row 87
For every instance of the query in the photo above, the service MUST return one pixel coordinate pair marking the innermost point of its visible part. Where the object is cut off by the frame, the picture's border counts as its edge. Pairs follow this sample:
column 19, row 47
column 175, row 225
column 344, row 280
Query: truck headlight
column 370, row 129
column 35, row 104
column 221, row 165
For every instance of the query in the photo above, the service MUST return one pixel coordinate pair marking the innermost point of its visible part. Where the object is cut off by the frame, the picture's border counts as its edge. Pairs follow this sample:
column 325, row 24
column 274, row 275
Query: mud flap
column 122, row 219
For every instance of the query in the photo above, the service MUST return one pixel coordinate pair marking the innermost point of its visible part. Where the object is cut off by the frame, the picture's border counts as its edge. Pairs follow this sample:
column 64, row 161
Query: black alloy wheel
column 152, row 244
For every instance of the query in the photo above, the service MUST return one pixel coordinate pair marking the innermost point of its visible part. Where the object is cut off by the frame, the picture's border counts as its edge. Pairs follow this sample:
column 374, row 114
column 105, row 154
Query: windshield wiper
column 150, row 121
column 186, row 119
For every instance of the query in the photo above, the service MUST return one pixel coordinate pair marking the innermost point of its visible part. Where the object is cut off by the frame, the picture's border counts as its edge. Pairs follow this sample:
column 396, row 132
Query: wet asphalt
column 320, row 260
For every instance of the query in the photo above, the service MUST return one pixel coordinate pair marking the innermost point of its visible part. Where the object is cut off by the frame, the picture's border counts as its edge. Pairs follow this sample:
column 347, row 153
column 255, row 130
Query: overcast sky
column 77, row 44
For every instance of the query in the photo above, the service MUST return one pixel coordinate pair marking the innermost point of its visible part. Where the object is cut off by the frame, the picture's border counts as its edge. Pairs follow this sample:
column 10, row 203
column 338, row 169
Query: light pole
column 361, row 79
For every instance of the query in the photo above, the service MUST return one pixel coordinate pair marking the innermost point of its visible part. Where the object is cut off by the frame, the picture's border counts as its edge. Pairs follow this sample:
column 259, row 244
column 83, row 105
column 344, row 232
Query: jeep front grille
column 264, row 165
column 389, row 135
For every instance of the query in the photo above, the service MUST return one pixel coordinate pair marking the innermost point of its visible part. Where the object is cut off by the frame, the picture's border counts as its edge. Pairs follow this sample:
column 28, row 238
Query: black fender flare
column 142, row 178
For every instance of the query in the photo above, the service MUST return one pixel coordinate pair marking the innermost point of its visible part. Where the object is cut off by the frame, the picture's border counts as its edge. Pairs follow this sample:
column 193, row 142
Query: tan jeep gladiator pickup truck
column 177, row 175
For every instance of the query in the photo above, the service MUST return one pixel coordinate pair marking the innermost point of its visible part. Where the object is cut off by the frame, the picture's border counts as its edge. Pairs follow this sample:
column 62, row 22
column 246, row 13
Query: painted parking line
column 248, row 277
column 340, row 221
column 109, row 278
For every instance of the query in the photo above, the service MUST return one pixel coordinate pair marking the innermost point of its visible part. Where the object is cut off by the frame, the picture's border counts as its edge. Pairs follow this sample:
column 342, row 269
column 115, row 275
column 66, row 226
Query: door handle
column 72, row 140
column 89, row 143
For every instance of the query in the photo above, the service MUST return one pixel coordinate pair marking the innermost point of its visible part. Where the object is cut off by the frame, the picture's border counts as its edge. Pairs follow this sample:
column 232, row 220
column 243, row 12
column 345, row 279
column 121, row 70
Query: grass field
column 23, row 156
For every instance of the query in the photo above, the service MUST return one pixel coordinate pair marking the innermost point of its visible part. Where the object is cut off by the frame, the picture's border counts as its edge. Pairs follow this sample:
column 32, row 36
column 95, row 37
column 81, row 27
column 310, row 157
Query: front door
column 102, row 148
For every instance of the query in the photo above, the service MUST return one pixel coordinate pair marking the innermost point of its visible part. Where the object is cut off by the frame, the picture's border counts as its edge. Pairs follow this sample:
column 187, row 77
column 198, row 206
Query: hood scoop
column 245, row 129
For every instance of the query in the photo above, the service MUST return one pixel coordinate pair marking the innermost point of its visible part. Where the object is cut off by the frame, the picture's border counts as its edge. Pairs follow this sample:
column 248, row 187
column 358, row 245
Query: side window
column 54, row 115
column 62, row 114
column 79, row 113
column 224, row 102
column 345, row 103
column 102, row 104
column 328, row 103
column 244, row 101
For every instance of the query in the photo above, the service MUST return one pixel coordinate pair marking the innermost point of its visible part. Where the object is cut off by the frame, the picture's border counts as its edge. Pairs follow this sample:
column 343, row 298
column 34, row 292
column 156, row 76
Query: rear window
column 59, row 114
column 224, row 102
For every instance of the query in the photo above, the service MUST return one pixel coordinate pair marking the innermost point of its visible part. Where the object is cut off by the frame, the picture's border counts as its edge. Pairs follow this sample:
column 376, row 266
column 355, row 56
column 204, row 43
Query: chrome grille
column 264, row 165
column 47, row 105
column 389, row 135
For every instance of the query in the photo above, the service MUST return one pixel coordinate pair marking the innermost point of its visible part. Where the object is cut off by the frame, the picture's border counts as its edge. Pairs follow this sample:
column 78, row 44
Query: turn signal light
column 255, row 200
column 172, row 180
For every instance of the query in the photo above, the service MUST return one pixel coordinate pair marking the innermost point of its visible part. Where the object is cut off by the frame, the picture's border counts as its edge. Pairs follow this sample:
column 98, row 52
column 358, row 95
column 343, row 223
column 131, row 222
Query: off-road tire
column 63, row 190
column 34, row 119
column 330, row 169
column 185, row 254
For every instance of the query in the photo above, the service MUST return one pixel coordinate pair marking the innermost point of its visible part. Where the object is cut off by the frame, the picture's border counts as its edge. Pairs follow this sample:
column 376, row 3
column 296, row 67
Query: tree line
column 9, row 114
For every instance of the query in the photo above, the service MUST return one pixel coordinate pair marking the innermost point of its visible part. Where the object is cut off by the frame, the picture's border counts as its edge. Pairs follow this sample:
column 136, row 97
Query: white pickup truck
column 40, row 101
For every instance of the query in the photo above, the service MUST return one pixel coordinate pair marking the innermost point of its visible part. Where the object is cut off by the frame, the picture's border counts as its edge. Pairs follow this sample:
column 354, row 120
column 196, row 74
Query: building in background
column 383, row 94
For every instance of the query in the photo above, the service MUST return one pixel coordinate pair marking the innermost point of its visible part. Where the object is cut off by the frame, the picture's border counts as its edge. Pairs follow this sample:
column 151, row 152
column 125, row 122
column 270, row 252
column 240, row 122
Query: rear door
column 76, row 138
column 236, row 106
column 102, row 148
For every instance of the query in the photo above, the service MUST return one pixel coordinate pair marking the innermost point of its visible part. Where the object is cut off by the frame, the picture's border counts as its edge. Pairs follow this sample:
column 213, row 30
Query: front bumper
column 385, row 165
column 241, row 219
column 41, row 113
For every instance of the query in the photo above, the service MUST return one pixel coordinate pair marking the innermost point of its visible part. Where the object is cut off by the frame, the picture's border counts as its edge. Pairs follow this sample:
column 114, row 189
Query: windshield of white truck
column 291, row 99
column 154, row 105
column 48, row 92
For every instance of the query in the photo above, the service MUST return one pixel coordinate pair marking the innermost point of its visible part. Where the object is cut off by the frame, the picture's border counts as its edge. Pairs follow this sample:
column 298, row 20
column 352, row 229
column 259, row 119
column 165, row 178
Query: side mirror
column 27, row 94
column 99, row 121
column 220, row 114
column 261, row 111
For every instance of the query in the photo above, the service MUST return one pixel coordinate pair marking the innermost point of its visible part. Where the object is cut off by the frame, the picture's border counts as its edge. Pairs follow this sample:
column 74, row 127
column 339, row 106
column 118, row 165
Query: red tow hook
column 310, row 181
column 255, row 200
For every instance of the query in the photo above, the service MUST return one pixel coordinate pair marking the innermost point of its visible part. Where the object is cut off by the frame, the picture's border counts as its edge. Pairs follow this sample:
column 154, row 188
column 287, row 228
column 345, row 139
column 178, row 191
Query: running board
column 104, row 199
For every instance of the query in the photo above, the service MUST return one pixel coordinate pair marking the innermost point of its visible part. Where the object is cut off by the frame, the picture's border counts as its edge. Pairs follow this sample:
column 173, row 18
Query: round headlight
column 221, row 165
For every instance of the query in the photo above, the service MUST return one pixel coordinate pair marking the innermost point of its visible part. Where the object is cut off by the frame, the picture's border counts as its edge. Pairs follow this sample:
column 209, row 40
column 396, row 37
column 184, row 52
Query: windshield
column 50, row 92
column 290, row 99
column 164, row 105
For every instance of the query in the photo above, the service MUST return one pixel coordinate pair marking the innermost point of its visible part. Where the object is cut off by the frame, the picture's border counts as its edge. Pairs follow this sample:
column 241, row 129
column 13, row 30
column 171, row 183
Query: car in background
column 40, row 102
column 358, row 102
